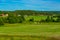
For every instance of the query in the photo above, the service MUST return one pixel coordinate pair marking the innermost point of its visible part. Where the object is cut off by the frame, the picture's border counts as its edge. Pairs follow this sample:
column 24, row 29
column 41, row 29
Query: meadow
column 30, row 28
column 44, row 29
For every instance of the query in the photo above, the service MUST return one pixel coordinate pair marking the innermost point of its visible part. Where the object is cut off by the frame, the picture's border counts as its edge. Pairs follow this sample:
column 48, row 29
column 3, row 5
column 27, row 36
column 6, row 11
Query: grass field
column 44, row 29
column 41, row 31
column 30, row 28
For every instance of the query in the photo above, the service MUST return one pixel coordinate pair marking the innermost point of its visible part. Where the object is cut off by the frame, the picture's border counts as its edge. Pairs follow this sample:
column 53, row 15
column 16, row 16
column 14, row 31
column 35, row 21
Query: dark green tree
column 1, row 22
column 21, row 19
column 12, row 18
column 48, row 19
column 58, row 18
column 31, row 20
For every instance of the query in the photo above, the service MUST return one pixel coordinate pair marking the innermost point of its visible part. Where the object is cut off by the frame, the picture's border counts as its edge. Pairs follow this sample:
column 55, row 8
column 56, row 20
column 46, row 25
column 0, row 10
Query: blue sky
column 45, row 5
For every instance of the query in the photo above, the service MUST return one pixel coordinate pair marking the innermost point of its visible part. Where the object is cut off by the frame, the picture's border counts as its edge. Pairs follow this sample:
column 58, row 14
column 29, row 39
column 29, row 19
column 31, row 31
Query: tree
column 1, row 22
column 21, row 19
column 52, row 20
column 48, row 19
column 58, row 18
column 12, row 18
column 31, row 20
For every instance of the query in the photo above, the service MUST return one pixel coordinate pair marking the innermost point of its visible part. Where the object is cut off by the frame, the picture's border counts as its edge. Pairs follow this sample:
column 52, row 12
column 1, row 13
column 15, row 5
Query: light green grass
column 36, row 18
column 44, row 30
column 31, row 28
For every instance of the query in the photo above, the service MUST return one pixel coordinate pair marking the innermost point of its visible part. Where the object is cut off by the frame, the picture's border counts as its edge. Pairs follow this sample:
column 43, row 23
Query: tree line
column 31, row 12
column 14, row 18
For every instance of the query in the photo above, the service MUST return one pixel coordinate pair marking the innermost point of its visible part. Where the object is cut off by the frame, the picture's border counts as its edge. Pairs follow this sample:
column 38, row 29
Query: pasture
column 30, row 28
column 44, row 29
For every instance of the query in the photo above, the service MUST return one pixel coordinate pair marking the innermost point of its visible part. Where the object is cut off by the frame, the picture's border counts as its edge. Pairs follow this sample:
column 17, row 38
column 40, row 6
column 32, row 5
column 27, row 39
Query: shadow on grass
column 28, row 37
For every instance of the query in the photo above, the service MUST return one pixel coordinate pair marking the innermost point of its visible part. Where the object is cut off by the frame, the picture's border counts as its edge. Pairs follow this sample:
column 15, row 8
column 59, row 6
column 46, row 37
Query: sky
column 42, row 5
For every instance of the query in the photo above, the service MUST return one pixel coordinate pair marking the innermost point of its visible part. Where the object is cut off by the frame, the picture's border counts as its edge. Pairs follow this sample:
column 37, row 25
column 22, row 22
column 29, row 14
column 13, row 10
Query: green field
column 44, row 29
column 31, row 28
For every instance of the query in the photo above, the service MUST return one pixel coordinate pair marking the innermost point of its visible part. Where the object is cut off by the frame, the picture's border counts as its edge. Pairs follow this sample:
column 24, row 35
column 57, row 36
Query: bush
column 42, row 21
column 12, row 18
column 48, row 19
column 1, row 22
column 5, row 19
column 31, row 20
column 21, row 19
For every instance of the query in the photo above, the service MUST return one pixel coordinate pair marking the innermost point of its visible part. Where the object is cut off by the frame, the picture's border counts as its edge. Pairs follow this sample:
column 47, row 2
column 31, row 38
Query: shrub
column 48, row 19
column 31, row 20
column 1, row 22
column 12, row 18
column 21, row 19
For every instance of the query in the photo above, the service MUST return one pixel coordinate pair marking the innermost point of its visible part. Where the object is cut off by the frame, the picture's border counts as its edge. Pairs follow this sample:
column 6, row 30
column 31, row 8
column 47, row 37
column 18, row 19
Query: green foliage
column 5, row 19
column 58, row 18
column 21, row 19
column 1, row 22
column 31, row 20
column 52, row 19
column 48, row 19
column 12, row 18
column 0, row 12
column 42, row 21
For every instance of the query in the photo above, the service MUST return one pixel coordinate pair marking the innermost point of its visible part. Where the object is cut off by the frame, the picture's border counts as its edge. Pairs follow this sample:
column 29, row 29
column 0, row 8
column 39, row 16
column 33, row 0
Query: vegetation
column 30, row 22
column 40, row 31
column 1, row 22
column 20, row 16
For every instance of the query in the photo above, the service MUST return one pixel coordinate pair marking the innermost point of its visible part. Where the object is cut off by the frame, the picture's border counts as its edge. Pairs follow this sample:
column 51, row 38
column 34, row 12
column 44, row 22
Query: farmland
column 44, row 29
column 30, row 28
